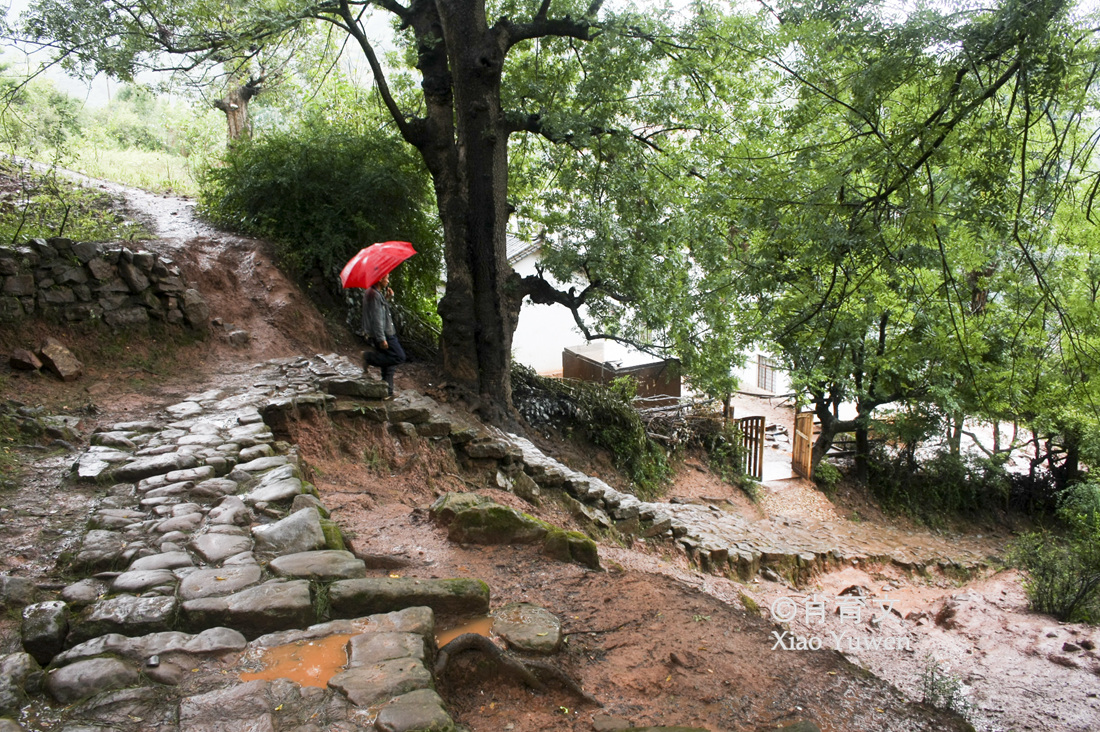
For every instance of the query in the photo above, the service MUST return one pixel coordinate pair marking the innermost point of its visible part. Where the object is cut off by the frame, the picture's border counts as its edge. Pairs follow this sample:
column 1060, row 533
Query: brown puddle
column 481, row 626
column 309, row 663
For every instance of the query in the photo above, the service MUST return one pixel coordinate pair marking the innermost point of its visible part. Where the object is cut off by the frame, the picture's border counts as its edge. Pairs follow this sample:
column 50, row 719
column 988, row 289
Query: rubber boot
column 389, row 382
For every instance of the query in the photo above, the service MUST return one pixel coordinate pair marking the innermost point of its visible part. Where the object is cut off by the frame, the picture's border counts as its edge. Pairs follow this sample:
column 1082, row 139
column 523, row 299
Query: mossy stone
column 492, row 523
column 447, row 506
column 571, row 546
column 334, row 537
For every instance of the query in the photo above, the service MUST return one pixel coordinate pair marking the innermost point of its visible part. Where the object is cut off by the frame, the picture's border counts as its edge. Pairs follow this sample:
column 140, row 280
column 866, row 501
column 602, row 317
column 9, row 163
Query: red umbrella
column 374, row 262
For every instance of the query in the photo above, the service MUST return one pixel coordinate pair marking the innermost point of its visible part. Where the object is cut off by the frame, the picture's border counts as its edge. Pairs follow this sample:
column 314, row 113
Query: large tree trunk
column 463, row 138
column 478, row 312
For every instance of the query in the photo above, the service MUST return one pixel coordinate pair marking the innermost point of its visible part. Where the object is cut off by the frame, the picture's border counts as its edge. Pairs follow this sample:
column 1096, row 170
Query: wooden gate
column 802, row 448
column 752, row 437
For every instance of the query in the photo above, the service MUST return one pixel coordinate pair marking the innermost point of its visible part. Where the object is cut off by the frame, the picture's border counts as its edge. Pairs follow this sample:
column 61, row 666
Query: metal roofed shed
column 602, row 363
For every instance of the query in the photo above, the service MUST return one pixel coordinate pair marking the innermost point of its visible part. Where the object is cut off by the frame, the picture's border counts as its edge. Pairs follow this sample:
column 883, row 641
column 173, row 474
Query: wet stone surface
column 210, row 535
column 723, row 542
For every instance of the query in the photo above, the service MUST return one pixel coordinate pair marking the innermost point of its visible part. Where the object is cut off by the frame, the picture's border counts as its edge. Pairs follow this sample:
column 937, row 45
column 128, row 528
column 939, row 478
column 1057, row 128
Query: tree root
column 527, row 671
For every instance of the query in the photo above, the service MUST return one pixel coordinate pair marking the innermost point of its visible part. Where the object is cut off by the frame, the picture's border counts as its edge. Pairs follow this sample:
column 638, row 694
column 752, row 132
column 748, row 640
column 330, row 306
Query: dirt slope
column 651, row 639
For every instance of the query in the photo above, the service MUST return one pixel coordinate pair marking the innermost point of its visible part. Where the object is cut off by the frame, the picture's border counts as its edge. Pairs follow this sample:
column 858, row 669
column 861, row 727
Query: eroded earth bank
column 222, row 526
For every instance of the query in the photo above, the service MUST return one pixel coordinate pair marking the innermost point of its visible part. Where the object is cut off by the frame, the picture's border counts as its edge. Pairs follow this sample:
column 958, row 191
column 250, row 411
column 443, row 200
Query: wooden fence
column 803, row 445
column 752, row 437
column 658, row 382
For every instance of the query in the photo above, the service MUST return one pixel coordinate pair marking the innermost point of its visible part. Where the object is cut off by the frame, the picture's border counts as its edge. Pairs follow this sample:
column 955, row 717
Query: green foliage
column 826, row 476
column 945, row 485
column 47, row 205
column 1080, row 502
column 148, row 141
column 725, row 448
column 1062, row 572
column 942, row 689
column 159, row 172
column 36, row 117
column 323, row 191
column 603, row 416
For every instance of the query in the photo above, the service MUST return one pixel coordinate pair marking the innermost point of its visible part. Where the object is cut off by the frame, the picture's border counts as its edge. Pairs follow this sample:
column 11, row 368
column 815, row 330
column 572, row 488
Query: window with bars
column 765, row 373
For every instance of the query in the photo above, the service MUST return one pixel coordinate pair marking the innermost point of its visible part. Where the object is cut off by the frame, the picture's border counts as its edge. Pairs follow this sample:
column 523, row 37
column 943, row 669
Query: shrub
column 322, row 192
column 1062, row 573
column 826, row 476
column 1080, row 502
column 943, row 690
column 725, row 449
column 602, row 415
column 944, row 485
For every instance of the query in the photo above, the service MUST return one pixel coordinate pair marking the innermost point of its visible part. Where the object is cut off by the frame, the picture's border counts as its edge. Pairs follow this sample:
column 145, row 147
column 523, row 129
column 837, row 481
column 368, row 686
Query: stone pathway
column 209, row 537
column 726, row 543
column 209, row 545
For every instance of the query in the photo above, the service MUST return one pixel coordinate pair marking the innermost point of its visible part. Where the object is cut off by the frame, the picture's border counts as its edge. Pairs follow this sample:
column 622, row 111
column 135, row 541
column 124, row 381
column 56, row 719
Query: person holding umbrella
column 370, row 269
column 378, row 325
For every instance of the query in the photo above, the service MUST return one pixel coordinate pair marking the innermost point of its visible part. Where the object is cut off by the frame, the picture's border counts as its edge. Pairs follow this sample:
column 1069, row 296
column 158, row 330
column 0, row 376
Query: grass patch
column 10, row 466
column 322, row 603
column 158, row 355
column 159, row 172
column 375, row 461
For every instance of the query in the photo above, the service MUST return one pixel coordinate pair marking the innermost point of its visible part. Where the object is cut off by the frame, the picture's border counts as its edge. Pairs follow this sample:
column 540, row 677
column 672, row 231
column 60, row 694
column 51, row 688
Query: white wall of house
column 543, row 330
column 751, row 379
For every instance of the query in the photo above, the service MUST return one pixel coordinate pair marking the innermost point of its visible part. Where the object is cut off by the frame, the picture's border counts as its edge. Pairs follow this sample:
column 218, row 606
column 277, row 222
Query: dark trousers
column 386, row 359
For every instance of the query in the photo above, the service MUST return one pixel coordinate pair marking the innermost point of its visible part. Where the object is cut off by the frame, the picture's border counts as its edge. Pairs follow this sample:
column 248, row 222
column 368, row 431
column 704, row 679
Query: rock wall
column 59, row 279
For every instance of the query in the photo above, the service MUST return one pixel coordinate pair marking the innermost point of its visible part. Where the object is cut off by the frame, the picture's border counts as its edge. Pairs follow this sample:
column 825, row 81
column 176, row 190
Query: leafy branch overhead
column 899, row 206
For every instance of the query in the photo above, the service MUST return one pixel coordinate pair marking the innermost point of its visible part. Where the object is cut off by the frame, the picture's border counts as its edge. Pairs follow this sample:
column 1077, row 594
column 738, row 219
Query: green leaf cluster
column 324, row 189
column 1062, row 572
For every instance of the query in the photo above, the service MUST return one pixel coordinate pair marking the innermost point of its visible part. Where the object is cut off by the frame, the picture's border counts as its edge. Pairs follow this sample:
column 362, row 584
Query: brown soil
column 652, row 639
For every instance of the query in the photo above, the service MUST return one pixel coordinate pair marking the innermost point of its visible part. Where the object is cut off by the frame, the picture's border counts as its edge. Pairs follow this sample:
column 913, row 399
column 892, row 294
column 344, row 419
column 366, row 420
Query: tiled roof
column 519, row 248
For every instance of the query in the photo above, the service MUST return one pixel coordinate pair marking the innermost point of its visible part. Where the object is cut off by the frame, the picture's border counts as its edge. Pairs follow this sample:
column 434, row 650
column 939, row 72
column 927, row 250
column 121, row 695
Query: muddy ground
column 651, row 638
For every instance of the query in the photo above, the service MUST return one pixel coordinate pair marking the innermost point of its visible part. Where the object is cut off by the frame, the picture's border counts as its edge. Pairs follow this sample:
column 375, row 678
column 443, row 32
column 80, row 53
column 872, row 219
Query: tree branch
column 540, row 26
column 351, row 25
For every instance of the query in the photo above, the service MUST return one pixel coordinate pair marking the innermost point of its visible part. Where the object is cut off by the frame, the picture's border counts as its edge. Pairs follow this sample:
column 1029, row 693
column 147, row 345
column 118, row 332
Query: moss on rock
column 492, row 523
column 334, row 537
column 572, row 546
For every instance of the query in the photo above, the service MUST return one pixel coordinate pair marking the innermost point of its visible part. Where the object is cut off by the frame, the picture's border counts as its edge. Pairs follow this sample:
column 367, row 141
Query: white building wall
column 543, row 330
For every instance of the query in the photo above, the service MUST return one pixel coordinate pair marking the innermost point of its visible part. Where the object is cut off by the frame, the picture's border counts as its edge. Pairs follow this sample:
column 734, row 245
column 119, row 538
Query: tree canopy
column 901, row 205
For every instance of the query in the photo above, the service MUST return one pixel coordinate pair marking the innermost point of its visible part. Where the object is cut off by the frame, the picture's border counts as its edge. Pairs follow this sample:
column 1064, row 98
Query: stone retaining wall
column 68, row 281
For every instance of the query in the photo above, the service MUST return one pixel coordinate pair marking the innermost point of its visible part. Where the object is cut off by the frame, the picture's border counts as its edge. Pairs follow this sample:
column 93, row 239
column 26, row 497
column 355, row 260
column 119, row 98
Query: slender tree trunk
column 829, row 430
column 863, row 449
column 954, row 434
column 235, row 106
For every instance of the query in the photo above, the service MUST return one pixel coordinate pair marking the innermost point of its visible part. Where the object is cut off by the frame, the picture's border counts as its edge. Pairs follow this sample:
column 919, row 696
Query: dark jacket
column 377, row 320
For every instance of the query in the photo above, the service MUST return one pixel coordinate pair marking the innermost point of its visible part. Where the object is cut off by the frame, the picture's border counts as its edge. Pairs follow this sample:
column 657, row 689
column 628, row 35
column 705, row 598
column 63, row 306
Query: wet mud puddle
column 480, row 625
column 308, row 663
column 314, row 662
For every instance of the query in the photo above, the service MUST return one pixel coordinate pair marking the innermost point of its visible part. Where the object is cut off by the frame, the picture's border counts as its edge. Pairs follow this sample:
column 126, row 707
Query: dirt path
column 653, row 639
